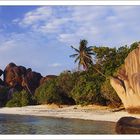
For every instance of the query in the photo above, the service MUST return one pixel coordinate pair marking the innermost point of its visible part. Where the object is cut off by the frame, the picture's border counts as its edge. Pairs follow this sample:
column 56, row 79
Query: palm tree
column 83, row 55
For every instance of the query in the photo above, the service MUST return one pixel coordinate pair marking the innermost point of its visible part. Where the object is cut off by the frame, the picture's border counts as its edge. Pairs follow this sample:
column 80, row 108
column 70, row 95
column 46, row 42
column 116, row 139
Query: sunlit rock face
column 127, row 83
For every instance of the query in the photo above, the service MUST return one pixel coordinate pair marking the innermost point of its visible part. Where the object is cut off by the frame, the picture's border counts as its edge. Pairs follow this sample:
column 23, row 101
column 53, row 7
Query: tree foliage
column 3, row 96
column 52, row 92
column 19, row 99
column 80, row 87
column 87, row 90
column 83, row 55
column 109, row 94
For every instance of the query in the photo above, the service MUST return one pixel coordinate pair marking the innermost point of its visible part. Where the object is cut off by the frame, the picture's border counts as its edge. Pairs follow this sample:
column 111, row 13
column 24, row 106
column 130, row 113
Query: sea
column 34, row 125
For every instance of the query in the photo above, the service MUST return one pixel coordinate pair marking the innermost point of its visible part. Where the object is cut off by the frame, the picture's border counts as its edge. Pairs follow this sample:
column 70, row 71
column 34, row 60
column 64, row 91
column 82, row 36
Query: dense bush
column 49, row 92
column 3, row 96
column 19, row 99
column 109, row 94
column 87, row 91
column 66, row 81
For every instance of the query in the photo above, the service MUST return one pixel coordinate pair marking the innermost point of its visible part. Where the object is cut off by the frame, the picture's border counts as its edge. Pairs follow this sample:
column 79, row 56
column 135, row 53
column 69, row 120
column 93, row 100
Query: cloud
column 31, row 50
column 28, row 51
column 98, row 24
column 55, row 65
column 35, row 17
column 45, row 34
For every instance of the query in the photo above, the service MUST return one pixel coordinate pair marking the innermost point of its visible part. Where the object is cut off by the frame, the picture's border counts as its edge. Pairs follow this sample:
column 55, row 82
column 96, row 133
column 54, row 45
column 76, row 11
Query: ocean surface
column 18, row 124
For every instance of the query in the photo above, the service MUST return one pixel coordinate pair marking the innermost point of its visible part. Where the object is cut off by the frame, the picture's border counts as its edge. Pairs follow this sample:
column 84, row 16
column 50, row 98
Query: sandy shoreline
column 91, row 112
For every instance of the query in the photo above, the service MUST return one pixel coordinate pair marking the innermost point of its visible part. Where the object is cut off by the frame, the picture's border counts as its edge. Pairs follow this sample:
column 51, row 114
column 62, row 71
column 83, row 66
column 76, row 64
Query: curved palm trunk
column 100, row 72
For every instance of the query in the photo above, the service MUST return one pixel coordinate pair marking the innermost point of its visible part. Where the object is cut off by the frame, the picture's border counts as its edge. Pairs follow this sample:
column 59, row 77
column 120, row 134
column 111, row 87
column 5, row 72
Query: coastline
column 90, row 112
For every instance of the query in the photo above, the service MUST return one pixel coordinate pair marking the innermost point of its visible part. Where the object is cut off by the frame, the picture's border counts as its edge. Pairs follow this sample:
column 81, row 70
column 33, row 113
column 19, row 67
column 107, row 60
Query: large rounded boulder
column 128, row 125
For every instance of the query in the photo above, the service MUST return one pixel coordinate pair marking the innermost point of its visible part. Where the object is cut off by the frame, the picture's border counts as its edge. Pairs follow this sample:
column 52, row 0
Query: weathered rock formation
column 128, row 125
column 19, row 77
column 127, row 83
column 31, row 81
column 13, row 75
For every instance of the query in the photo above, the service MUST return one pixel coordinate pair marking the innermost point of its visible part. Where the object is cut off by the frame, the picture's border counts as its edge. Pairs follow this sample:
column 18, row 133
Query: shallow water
column 18, row 124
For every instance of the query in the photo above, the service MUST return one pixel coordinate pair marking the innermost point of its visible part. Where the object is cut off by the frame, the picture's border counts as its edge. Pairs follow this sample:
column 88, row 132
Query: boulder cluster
column 17, row 78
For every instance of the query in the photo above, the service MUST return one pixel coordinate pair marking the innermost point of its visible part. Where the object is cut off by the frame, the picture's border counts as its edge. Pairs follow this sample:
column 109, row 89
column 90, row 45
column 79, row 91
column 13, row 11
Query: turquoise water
column 18, row 124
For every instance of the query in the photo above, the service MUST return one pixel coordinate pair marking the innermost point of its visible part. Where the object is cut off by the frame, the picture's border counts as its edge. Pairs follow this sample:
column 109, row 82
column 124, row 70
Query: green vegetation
column 87, row 90
column 19, row 99
column 83, row 55
column 3, row 96
column 93, row 86
column 51, row 92
column 109, row 94
column 87, row 86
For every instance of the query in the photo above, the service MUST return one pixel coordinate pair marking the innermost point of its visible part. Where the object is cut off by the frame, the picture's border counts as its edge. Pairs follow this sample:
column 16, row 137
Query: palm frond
column 77, row 59
column 73, row 55
column 90, row 53
column 90, row 47
column 75, row 49
column 90, row 50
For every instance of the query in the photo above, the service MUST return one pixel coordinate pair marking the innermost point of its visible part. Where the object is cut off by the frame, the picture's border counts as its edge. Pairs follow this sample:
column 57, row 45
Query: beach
column 90, row 112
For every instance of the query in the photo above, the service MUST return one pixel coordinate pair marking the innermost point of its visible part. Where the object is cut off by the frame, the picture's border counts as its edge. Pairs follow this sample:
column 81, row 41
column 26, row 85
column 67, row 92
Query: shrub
column 26, row 98
column 19, row 99
column 3, row 96
column 49, row 92
column 87, row 92
column 15, row 101
column 109, row 94
column 66, row 81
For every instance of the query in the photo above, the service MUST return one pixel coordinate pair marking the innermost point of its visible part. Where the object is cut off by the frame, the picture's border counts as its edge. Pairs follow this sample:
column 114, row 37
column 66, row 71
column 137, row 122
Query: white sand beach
column 91, row 112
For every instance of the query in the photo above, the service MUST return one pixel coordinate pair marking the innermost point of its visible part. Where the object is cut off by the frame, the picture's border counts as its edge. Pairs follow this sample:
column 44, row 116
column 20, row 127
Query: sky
column 40, row 37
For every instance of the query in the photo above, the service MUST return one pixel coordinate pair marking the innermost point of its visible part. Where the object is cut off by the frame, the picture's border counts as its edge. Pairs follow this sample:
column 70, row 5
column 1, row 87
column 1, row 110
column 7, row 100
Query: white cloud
column 55, row 65
column 34, row 17
column 30, row 50
column 97, row 24
column 50, row 30
column 53, row 26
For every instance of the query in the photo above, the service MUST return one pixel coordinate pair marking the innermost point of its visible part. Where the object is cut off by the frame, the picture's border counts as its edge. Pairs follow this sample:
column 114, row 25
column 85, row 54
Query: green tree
column 3, row 96
column 15, row 101
column 83, row 55
column 19, row 99
column 66, row 80
column 110, row 94
column 51, row 92
column 87, row 89
column 134, row 46
column 105, row 59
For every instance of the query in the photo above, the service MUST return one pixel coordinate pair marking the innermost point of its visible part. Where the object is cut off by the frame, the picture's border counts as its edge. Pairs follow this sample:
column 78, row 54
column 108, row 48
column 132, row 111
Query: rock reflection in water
column 17, row 124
